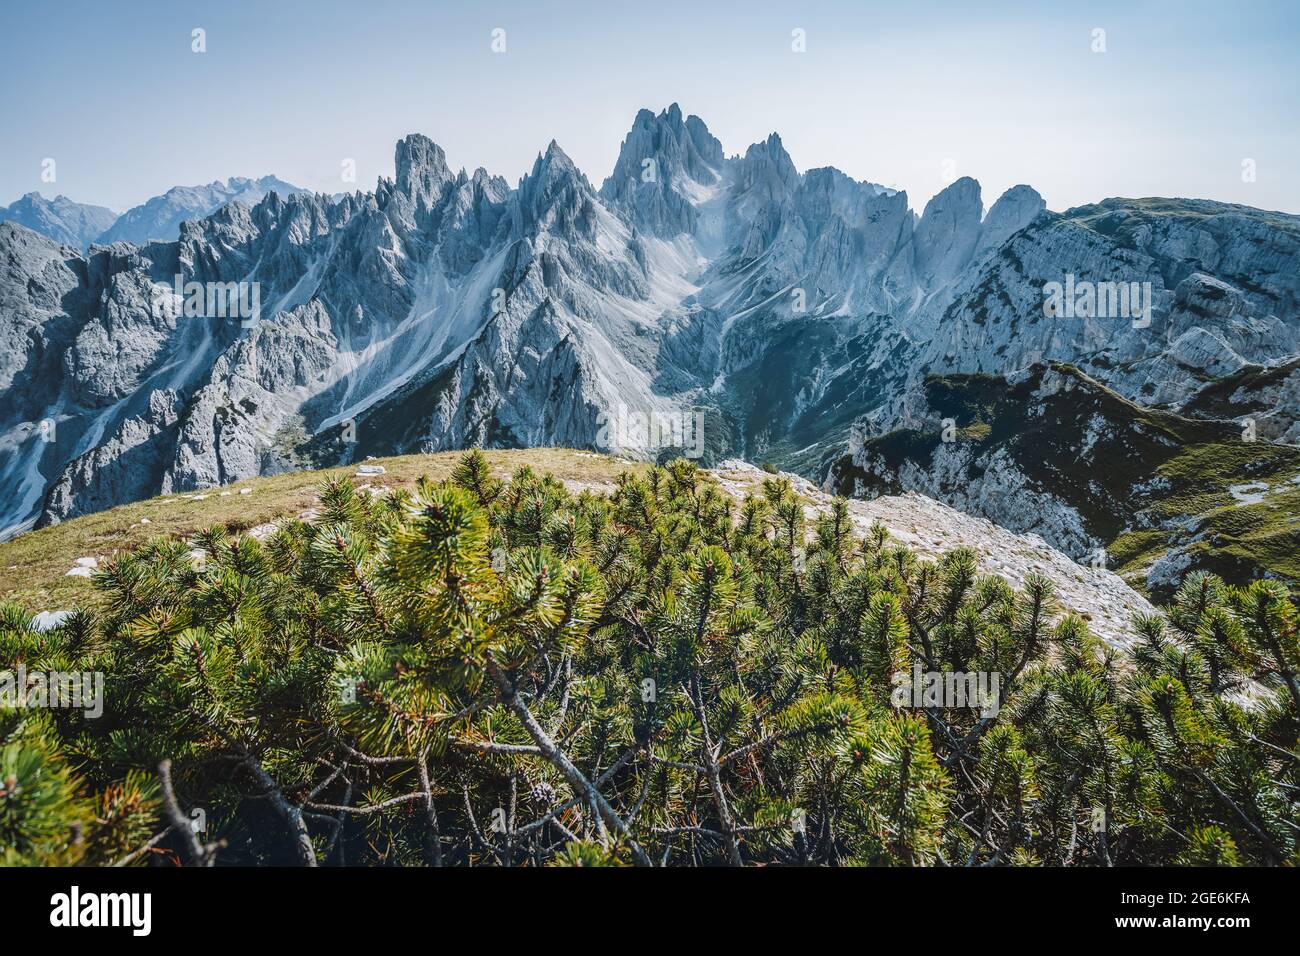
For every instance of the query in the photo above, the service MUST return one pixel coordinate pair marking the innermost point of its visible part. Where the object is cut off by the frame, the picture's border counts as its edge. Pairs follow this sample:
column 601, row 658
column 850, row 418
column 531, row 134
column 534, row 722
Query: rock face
column 791, row 310
column 70, row 223
column 1263, row 398
column 1015, row 209
column 1223, row 283
column 949, row 231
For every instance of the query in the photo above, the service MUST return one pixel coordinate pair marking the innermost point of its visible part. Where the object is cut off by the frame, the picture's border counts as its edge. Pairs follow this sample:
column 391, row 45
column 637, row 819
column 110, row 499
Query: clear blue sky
column 1009, row 92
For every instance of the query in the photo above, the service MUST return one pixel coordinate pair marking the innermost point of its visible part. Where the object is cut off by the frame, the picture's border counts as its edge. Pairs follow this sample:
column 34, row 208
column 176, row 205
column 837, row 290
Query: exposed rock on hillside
column 929, row 528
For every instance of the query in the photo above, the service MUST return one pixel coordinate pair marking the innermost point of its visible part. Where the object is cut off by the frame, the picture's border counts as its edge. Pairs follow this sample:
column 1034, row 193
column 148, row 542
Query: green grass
column 33, row 566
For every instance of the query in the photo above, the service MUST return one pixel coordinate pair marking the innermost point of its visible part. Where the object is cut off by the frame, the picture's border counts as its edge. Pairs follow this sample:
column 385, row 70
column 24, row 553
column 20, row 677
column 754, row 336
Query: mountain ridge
column 159, row 218
column 446, row 309
column 61, row 219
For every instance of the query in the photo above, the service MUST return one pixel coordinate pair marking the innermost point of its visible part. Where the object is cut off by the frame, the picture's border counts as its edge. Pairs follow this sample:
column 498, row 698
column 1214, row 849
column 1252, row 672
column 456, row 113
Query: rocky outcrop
column 1054, row 452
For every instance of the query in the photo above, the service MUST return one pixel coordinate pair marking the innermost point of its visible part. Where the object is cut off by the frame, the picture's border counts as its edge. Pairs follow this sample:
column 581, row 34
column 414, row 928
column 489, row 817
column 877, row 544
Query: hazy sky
column 1008, row 92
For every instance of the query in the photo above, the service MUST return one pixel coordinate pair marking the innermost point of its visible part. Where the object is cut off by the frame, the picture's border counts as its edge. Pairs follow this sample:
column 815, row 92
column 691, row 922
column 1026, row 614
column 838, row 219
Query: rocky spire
column 1015, row 209
column 555, row 194
column 665, row 163
column 949, row 229
column 422, row 171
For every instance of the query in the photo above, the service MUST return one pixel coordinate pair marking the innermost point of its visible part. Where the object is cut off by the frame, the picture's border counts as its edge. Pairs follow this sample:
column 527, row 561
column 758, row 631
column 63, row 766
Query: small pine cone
column 544, row 793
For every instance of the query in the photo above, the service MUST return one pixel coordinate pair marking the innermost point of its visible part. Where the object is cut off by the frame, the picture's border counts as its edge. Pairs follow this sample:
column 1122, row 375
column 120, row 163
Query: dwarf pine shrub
column 479, row 672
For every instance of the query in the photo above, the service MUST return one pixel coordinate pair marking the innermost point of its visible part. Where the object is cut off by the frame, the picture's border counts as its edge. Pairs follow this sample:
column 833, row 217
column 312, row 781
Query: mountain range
column 79, row 225
column 806, row 315
column 67, row 222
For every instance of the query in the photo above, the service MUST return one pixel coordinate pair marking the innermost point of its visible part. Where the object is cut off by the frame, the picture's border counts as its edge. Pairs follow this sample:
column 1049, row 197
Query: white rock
column 49, row 619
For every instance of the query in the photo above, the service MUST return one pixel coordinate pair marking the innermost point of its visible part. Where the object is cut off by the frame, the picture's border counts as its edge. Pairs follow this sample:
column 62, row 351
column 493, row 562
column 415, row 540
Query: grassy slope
column 33, row 566
column 1199, row 460
column 1238, row 540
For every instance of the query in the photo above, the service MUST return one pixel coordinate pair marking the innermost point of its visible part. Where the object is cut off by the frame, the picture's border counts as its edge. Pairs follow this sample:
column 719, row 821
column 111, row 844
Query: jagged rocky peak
column 492, row 187
column 826, row 191
column 801, row 301
column 422, row 171
column 763, row 188
column 665, row 166
column 677, row 147
column 552, row 168
column 73, row 223
column 159, row 219
column 1015, row 209
column 854, row 231
column 766, row 171
column 470, row 218
column 710, row 149
column 948, row 232
column 302, row 217
column 477, row 197
column 555, row 195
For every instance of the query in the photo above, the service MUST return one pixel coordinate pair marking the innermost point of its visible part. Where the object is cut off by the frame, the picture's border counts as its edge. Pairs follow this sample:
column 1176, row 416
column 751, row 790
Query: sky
column 1184, row 98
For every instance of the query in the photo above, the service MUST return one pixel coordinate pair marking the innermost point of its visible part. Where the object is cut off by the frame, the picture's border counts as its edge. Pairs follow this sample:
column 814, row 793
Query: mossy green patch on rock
column 1146, row 483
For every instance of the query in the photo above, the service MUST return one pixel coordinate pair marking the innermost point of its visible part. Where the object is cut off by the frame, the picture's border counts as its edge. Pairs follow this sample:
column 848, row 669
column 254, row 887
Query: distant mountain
column 802, row 313
column 160, row 218
column 71, row 223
